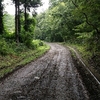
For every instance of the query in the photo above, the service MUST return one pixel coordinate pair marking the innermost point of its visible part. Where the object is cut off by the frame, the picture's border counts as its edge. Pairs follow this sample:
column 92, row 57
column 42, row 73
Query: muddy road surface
column 51, row 77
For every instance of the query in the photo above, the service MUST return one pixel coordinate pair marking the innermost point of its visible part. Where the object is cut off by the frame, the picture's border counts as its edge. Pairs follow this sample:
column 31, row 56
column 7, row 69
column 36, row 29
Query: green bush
column 9, row 36
column 29, row 44
column 4, row 47
column 41, row 43
column 37, row 43
column 33, row 44
column 26, row 36
column 19, row 48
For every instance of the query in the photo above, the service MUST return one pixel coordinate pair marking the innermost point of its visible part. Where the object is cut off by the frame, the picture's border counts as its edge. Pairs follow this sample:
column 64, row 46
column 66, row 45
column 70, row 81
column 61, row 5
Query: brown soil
column 51, row 77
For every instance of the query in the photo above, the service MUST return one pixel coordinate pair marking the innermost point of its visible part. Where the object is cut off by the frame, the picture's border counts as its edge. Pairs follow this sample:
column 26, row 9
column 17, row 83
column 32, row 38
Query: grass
column 11, row 62
column 91, row 84
column 85, row 55
column 86, row 58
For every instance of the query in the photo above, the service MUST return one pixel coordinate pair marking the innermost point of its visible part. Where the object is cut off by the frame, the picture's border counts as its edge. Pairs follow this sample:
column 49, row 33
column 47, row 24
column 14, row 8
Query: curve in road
column 51, row 77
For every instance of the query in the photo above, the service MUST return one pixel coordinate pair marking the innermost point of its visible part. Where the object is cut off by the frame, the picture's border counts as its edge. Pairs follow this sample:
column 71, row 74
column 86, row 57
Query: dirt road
column 51, row 77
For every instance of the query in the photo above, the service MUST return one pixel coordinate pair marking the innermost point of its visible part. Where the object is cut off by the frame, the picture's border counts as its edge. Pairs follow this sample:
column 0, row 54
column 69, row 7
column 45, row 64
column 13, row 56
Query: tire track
column 51, row 77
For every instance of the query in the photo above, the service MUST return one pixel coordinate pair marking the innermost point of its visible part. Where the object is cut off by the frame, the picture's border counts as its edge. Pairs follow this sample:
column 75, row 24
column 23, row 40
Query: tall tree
column 25, row 14
column 89, row 12
column 17, row 20
column 29, row 4
column 1, row 17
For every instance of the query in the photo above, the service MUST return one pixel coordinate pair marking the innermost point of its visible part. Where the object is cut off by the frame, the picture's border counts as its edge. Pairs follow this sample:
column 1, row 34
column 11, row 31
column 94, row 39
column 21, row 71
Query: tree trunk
column 16, row 22
column 25, row 16
column 1, row 18
column 19, row 24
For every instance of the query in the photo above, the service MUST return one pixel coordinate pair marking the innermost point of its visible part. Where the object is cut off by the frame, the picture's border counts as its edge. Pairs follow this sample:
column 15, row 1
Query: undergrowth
column 86, row 56
column 13, row 56
column 91, row 84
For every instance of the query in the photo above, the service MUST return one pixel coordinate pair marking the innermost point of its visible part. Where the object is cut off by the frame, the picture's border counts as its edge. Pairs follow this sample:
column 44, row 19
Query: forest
column 74, row 22
column 17, row 43
column 71, row 22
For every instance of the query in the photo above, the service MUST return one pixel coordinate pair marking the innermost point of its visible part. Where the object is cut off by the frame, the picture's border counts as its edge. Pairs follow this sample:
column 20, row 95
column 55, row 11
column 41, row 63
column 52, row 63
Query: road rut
column 51, row 77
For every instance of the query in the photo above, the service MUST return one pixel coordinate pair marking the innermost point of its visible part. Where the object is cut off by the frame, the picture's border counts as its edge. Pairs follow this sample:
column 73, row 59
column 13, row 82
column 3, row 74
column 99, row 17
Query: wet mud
column 51, row 77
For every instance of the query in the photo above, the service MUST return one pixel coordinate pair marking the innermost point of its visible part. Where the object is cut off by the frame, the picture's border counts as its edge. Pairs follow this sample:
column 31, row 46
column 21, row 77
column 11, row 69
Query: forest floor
column 51, row 77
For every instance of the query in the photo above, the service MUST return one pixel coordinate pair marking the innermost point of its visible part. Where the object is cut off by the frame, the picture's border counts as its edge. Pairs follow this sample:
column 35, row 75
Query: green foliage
column 9, row 36
column 5, row 48
column 31, row 22
column 9, row 23
column 37, row 43
column 33, row 44
column 21, row 57
column 26, row 37
column 56, row 23
column 17, row 46
column 29, row 44
column 72, row 21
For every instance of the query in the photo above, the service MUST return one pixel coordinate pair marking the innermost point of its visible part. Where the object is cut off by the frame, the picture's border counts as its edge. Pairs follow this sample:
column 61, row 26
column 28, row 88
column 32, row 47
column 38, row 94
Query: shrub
column 19, row 48
column 41, row 43
column 4, row 47
column 37, row 43
column 29, row 44
column 33, row 44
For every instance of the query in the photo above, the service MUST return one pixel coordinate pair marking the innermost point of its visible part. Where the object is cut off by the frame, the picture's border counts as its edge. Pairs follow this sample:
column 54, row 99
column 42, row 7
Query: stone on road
column 51, row 77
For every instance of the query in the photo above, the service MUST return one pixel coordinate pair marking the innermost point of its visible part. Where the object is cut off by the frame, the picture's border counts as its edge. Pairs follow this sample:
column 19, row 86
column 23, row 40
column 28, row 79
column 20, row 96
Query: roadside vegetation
column 85, row 56
column 18, row 45
column 89, row 74
column 76, row 23
column 13, row 57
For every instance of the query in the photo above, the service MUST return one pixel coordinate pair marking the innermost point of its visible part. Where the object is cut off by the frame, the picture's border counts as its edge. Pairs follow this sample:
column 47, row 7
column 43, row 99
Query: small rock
column 37, row 78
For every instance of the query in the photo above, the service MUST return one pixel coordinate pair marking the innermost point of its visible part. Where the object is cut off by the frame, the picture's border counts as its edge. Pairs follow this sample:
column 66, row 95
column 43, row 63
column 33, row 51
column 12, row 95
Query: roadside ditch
column 89, row 79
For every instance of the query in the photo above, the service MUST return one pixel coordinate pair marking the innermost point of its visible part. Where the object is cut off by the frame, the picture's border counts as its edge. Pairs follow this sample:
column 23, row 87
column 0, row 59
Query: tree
column 58, row 22
column 17, row 20
column 89, row 12
column 1, row 18
column 29, row 4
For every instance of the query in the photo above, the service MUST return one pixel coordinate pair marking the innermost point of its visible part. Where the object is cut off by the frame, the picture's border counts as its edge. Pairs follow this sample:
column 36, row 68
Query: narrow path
column 51, row 77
